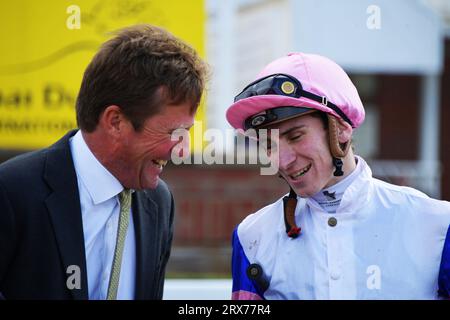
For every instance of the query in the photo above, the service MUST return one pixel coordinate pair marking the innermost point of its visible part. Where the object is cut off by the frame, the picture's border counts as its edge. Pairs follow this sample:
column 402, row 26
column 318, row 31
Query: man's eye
column 295, row 138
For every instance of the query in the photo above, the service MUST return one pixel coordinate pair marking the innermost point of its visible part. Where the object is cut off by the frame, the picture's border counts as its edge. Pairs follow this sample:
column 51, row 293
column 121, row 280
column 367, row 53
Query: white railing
column 197, row 289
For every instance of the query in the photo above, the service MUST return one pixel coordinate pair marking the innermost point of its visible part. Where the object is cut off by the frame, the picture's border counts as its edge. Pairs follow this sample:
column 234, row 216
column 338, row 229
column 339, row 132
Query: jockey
column 340, row 233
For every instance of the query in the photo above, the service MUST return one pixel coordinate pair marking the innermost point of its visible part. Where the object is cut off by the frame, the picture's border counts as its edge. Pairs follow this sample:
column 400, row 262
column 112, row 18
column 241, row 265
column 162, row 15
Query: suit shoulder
column 161, row 194
column 163, row 188
column 23, row 167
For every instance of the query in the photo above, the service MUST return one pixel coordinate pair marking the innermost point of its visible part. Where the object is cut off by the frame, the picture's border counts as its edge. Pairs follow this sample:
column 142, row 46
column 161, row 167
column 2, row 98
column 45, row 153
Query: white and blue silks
column 389, row 242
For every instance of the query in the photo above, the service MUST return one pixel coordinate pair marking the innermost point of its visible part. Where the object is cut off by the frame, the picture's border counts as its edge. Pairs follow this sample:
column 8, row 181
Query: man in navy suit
column 88, row 217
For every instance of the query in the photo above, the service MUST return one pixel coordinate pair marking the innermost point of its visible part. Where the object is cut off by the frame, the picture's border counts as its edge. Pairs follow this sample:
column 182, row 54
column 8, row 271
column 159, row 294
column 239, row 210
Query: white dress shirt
column 100, row 209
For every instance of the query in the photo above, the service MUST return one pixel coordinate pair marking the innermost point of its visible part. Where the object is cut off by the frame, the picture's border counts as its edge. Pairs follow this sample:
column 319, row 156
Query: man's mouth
column 160, row 163
column 301, row 172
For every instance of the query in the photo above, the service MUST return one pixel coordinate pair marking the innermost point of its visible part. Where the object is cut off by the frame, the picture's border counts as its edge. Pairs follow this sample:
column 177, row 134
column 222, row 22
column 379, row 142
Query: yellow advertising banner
column 46, row 46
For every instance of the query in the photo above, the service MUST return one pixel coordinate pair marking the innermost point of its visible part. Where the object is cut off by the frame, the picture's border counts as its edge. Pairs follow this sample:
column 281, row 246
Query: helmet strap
column 337, row 162
column 338, row 150
column 289, row 205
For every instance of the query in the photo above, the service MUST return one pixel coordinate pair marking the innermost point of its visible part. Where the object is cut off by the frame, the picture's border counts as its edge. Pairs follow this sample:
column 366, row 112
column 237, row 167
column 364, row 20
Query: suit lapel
column 65, row 212
column 145, row 215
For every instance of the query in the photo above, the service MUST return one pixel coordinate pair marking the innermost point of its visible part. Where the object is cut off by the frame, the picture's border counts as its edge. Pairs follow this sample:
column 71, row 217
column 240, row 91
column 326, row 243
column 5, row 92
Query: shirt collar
column 335, row 192
column 99, row 182
column 357, row 189
column 359, row 192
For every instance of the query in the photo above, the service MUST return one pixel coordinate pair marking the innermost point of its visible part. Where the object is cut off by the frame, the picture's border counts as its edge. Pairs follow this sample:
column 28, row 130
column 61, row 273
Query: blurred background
column 397, row 53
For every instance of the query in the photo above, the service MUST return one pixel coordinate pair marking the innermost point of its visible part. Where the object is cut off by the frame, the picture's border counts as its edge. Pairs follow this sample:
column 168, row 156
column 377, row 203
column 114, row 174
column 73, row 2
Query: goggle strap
column 326, row 103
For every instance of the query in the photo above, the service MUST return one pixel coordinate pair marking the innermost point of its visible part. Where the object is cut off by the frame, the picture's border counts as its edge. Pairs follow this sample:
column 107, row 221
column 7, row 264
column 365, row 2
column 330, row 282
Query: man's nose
column 286, row 155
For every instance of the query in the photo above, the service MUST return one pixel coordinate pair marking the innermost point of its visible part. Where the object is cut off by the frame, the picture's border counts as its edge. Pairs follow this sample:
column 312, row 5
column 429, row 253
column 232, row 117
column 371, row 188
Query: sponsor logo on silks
column 330, row 195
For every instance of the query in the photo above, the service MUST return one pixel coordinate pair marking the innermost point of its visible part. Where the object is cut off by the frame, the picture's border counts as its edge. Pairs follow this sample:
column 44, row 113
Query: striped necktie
column 124, row 217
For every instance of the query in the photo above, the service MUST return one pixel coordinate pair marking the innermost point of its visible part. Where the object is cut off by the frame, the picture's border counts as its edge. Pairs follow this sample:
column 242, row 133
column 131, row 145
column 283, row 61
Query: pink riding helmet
column 317, row 75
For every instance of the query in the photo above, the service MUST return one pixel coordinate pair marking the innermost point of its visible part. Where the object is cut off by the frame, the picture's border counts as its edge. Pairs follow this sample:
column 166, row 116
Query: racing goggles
column 285, row 85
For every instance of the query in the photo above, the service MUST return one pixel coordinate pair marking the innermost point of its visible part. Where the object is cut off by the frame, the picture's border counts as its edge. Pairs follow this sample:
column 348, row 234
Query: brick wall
column 398, row 100
column 212, row 200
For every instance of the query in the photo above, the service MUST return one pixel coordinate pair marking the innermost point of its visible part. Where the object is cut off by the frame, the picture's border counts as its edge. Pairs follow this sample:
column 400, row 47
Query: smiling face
column 305, row 161
column 141, row 155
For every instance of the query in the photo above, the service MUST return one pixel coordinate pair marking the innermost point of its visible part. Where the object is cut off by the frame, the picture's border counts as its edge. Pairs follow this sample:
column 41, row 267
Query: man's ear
column 113, row 121
column 345, row 131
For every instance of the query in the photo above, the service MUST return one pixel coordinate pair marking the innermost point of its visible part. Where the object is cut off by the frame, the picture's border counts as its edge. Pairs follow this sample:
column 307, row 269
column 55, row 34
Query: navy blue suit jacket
column 41, row 231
